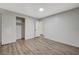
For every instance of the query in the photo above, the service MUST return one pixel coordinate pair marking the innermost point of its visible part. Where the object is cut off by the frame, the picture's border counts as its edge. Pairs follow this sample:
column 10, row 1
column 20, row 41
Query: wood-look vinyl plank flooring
column 38, row 46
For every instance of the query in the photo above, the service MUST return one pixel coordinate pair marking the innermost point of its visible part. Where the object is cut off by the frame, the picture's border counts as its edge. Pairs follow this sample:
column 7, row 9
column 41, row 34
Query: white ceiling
column 31, row 9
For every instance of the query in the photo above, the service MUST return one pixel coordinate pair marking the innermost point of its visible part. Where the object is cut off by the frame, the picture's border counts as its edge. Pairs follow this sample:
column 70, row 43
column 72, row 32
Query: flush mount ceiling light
column 41, row 9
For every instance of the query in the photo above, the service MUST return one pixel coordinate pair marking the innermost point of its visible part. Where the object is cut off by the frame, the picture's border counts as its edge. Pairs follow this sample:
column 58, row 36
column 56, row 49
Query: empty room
column 39, row 28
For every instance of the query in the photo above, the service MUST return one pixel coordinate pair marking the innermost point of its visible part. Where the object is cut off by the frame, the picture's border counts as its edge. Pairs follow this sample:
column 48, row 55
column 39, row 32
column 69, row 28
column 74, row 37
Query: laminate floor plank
column 38, row 46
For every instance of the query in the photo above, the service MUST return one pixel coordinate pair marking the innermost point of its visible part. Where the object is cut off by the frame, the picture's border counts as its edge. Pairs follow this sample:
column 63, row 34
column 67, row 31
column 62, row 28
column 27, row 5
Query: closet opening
column 20, row 28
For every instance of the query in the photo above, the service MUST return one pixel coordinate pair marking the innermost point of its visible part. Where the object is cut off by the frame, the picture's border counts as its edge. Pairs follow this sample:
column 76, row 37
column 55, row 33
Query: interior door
column 38, row 28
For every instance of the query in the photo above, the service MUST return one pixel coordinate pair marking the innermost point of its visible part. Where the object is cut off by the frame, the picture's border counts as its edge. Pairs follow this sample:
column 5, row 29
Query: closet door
column 38, row 28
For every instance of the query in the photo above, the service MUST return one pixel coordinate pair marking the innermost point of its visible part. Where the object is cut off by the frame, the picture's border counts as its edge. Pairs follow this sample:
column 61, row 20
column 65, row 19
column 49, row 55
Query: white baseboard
column 77, row 46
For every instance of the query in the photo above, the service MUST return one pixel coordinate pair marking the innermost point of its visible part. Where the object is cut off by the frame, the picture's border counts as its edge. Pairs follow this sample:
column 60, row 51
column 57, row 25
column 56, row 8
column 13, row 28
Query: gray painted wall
column 63, row 27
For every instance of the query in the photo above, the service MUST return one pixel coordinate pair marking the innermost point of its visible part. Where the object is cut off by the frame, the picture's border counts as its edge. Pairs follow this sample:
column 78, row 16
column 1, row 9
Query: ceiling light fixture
column 41, row 9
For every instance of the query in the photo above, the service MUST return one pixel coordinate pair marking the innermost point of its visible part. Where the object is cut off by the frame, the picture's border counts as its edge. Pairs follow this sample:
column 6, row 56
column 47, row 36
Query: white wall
column 0, row 28
column 8, row 28
column 63, row 27
column 29, row 28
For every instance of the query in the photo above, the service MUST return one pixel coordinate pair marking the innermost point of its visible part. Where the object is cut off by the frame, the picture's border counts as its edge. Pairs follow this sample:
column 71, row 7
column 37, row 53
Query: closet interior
column 20, row 28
